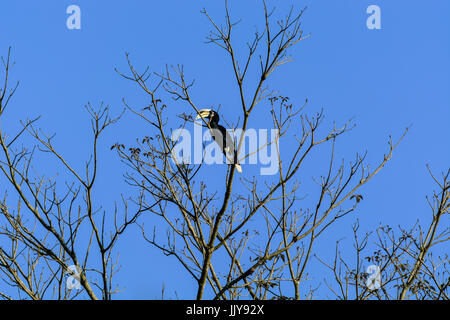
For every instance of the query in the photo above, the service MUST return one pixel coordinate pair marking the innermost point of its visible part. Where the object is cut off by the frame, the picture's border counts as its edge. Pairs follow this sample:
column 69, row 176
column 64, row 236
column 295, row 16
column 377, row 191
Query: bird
column 220, row 135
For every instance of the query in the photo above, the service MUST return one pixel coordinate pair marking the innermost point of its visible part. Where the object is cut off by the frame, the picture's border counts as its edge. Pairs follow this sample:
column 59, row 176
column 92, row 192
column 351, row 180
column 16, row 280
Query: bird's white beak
column 203, row 113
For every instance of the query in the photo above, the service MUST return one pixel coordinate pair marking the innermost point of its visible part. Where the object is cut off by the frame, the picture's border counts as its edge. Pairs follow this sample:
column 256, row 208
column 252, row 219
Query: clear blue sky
column 385, row 79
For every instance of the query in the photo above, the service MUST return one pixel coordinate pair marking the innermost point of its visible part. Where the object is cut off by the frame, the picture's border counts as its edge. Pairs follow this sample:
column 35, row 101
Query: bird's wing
column 229, row 144
column 226, row 143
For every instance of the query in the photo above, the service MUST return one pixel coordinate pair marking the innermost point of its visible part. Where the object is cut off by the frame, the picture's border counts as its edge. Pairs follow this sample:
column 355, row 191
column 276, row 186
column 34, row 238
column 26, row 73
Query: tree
column 41, row 253
column 237, row 235
column 206, row 226
column 406, row 261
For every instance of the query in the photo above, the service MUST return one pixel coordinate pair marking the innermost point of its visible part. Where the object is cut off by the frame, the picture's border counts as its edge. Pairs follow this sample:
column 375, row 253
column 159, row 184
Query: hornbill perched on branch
column 220, row 135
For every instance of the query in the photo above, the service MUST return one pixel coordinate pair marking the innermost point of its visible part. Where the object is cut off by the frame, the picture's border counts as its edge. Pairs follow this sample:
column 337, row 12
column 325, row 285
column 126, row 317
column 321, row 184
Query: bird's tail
column 238, row 168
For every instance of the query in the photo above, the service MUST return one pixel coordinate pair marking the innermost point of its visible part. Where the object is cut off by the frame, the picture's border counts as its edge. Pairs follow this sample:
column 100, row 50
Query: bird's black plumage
column 220, row 135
